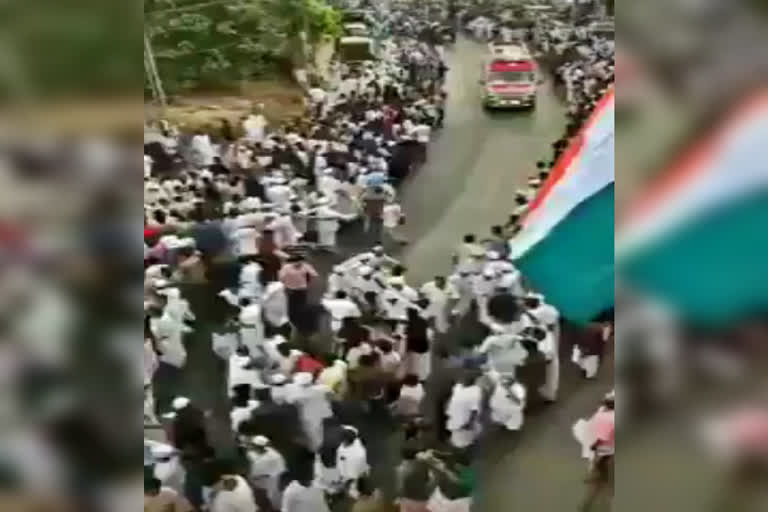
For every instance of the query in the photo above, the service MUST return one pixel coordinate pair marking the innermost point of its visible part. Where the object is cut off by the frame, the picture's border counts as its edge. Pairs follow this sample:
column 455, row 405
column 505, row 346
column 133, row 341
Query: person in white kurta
column 327, row 222
column 548, row 346
column 266, row 465
column 314, row 407
column 340, row 307
column 239, row 371
column 463, row 411
column 274, row 304
column 202, row 149
column 462, row 288
column 250, row 284
column 168, row 336
column 241, row 411
column 507, row 403
column 439, row 294
column 303, row 496
column 286, row 234
column 505, row 353
column 251, row 326
column 255, row 126
column 233, row 494
column 149, row 368
column 177, row 307
column 352, row 459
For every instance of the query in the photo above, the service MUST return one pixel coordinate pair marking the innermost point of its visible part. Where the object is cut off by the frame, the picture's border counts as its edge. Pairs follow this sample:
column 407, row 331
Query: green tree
column 216, row 44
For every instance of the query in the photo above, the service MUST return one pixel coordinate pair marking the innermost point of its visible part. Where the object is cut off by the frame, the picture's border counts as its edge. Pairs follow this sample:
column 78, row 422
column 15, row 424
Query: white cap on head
column 180, row 402
column 493, row 255
column 489, row 272
column 260, row 441
column 365, row 270
column 279, row 379
column 397, row 281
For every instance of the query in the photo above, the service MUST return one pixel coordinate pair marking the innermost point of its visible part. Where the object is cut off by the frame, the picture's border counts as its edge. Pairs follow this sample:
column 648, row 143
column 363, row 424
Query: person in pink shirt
column 296, row 276
column 600, row 479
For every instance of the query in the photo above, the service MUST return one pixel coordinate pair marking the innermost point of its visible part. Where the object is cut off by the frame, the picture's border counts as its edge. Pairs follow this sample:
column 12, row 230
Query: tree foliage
column 214, row 44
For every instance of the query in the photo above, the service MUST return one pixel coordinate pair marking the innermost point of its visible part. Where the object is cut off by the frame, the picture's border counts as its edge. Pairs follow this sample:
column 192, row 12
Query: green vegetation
column 212, row 45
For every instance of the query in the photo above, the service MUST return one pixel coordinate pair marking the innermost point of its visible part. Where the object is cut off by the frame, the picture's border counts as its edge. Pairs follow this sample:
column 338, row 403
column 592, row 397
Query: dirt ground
column 282, row 100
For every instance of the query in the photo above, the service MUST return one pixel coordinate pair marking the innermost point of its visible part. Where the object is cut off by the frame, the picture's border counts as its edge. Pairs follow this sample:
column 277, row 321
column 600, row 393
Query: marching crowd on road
column 248, row 219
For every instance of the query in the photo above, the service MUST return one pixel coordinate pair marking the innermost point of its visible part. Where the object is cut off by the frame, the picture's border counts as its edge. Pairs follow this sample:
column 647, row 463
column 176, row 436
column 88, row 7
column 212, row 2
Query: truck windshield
column 355, row 52
column 511, row 76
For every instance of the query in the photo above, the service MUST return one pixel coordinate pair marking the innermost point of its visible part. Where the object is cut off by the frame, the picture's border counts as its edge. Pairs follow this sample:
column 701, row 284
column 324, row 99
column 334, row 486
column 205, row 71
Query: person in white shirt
column 328, row 223
column 312, row 401
column 507, row 402
column 439, row 294
column 169, row 337
column 463, row 411
column 485, row 287
column 352, row 459
column 266, row 466
column 255, row 125
column 250, row 279
column 397, row 299
column 240, row 371
column 279, row 193
column 340, row 307
column 233, row 494
column 545, row 341
column 302, row 495
column 251, row 325
column 202, row 149
column 286, row 234
column 242, row 406
column 390, row 361
column 328, row 184
column 504, row 351
column 411, row 397
column 274, row 305
column 392, row 219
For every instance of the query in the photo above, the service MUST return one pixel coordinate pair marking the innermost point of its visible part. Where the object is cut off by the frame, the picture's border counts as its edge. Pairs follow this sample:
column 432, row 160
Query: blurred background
column 692, row 329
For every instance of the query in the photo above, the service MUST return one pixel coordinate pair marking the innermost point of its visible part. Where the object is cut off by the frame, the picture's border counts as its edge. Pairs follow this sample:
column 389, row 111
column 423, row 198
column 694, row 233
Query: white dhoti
column 252, row 338
column 551, row 380
column 438, row 502
column 463, row 438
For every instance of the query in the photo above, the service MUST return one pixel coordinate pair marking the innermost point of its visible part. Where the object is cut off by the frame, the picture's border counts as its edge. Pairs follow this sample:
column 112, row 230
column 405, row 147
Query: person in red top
column 308, row 364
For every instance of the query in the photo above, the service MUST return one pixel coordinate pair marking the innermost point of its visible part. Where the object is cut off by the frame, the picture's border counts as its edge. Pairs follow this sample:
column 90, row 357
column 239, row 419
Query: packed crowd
column 244, row 219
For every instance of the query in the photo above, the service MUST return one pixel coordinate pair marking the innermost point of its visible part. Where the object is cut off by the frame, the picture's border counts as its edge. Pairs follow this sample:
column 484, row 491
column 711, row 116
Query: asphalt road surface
column 475, row 164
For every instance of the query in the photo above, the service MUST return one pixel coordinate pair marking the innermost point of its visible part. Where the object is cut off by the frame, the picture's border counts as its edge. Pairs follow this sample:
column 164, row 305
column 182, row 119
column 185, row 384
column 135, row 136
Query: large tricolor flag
column 566, row 246
column 698, row 240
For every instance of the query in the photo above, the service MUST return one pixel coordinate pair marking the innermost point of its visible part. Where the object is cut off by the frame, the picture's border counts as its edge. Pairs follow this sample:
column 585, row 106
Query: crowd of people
column 247, row 219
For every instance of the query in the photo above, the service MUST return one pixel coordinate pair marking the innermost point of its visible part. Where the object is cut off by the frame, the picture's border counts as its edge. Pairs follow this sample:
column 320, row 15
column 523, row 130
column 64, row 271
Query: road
column 475, row 164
